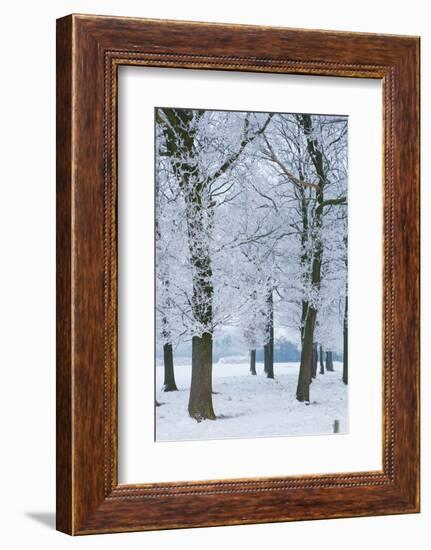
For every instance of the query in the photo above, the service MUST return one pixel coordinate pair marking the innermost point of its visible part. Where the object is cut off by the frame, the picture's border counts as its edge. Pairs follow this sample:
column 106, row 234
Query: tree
column 269, row 345
column 283, row 154
column 322, row 365
column 311, row 164
column 165, row 227
column 253, row 362
column 256, row 230
column 201, row 159
column 329, row 362
column 316, row 156
column 315, row 360
column 333, row 292
column 345, row 321
column 345, row 344
column 169, row 380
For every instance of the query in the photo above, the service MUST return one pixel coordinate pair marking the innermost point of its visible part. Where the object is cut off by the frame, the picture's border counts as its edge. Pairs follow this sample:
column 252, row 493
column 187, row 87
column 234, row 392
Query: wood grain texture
column 64, row 496
column 90, row 49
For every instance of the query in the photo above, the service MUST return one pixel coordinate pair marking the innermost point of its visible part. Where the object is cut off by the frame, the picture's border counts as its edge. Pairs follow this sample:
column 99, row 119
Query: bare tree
column 200, row 162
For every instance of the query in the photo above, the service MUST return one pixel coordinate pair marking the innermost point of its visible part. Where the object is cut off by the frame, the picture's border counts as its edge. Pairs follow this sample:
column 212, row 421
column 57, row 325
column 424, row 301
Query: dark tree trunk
column 322, row 364
column 305, row 369
column 200, row 402
column 269, row 346
column 303, row 318
column 315, row 360
column 253, row 362
column 329, row 362
column 345, row 345
column 268, row 367
column 169, row 383
column 316, row 157
column 305, row 254
column 268, row 357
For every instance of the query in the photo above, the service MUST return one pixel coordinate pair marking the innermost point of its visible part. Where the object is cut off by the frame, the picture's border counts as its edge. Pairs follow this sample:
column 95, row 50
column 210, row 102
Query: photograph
column 251, row 285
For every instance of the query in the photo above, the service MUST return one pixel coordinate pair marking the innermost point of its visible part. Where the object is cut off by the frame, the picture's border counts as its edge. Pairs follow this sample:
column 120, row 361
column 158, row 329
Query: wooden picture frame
column 89, row 51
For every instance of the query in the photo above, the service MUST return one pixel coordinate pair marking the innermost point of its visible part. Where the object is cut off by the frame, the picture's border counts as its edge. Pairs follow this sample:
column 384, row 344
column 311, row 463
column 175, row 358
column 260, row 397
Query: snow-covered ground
column 253, row 406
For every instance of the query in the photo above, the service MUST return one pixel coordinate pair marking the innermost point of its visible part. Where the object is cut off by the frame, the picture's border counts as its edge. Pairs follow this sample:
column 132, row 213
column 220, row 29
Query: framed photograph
column 237, row 274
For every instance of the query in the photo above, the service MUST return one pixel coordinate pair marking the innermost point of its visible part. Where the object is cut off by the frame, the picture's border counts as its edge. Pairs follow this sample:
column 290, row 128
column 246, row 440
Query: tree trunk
column 329, row 362
column 305, row 254
column 315, row 360
column 345, row 345
column 305, row 369
column 304, row 314
column 169, row 382
column 269, row 346
column 200, row 402
column 322, row 365
column 253, row 362
column 316, row 157
column 268, row 358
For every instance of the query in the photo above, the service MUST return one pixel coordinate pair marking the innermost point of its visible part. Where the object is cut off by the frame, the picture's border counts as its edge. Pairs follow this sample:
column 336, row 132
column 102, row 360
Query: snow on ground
column 253, row 406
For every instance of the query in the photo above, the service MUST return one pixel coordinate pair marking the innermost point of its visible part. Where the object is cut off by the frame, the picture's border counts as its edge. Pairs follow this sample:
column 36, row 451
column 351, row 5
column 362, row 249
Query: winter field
column 253, row 406
column 251, row 239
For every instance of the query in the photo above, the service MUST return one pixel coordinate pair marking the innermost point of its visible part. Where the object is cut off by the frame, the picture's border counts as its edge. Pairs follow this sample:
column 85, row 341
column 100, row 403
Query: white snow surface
column 253, row 406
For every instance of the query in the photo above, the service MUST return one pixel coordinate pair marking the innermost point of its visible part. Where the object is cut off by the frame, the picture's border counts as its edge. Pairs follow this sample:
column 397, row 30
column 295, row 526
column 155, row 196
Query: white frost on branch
column 236, row 207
